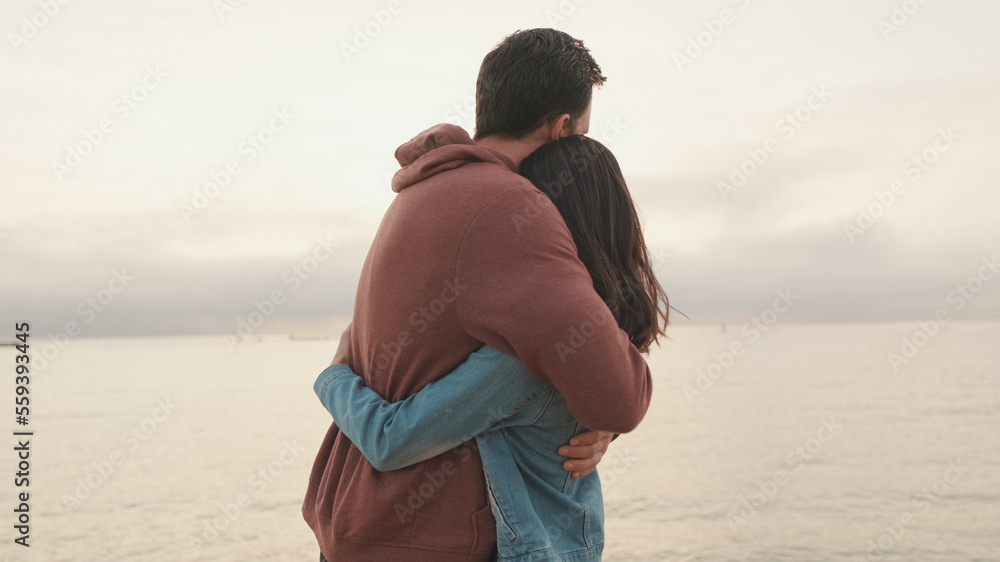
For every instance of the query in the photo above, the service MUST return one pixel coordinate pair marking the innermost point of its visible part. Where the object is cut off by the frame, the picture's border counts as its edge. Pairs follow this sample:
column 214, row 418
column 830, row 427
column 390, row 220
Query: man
column 469, row 252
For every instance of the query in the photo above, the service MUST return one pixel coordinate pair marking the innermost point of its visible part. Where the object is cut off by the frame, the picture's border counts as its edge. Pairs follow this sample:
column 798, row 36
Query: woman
column 542, row 513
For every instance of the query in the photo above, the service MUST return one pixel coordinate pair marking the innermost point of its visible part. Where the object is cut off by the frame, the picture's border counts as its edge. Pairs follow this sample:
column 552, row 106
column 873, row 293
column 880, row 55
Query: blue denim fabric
column 518, row 422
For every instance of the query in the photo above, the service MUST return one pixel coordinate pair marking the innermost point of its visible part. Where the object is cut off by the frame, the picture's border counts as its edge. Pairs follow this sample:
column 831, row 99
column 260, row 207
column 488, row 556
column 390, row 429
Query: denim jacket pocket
column 504, row 524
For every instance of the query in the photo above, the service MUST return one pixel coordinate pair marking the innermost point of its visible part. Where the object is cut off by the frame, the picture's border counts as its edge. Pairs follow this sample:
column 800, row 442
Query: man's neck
column 515, row 149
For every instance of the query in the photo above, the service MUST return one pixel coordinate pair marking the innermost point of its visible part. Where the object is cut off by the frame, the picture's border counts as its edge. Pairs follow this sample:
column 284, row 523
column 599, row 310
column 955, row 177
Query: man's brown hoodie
column 469, row 252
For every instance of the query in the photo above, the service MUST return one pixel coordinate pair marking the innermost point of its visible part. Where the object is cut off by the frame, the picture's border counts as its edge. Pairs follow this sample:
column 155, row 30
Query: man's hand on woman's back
column 585, row 451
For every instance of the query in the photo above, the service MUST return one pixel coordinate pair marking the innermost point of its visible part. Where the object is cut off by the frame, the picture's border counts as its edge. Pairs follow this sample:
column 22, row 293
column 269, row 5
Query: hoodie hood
column 439, row 149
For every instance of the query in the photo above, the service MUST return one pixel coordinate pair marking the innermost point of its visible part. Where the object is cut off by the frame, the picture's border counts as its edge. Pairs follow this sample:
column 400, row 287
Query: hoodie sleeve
column 523, row 290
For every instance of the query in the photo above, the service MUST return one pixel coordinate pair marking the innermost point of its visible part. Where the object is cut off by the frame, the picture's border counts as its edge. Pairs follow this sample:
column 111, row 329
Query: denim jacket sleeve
column 483, row 391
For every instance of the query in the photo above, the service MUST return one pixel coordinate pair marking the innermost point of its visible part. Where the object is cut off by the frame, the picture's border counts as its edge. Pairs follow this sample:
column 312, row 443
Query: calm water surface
column 808, row 446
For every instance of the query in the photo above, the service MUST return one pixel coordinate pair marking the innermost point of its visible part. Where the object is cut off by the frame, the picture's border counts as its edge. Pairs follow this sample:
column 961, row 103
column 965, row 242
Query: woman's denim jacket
column 518, row 422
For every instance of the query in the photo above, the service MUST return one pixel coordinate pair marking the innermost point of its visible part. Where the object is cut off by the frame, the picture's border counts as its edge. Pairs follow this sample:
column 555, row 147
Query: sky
column 192, row 166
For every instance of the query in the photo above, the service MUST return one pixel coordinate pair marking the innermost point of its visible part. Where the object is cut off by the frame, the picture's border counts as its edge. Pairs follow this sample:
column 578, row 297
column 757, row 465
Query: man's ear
column 560, row 127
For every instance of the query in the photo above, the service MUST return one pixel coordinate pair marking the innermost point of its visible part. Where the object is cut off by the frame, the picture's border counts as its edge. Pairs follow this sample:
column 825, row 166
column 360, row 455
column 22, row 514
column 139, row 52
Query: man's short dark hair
column 530, row 78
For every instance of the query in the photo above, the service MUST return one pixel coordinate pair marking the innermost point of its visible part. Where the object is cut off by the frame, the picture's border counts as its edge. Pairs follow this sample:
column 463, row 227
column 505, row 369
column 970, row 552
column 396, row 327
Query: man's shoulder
column 487, row 178
column 516, row 215
column 484, row 192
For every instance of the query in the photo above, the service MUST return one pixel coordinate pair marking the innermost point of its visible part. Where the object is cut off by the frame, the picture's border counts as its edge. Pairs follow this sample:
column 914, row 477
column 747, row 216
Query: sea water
column 812, row 443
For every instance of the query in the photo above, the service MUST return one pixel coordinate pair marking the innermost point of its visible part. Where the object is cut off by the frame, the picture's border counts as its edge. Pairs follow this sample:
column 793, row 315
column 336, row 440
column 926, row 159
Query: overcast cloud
column 127, row 240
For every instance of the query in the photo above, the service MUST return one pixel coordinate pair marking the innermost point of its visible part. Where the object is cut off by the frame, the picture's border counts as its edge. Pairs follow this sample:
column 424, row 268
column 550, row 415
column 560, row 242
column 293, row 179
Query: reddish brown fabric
column 469, row 252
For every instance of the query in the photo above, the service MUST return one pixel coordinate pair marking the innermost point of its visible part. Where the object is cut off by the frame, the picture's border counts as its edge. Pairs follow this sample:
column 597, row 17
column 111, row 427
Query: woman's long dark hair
column 583, row 180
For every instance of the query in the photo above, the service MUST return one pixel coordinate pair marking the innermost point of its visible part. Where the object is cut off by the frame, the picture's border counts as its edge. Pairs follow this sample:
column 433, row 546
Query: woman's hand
column 343, row 356
column 585, row 450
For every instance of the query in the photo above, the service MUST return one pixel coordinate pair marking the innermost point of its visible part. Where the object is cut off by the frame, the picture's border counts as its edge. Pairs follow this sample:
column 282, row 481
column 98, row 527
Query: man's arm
column 524, row 291
column 489, row 389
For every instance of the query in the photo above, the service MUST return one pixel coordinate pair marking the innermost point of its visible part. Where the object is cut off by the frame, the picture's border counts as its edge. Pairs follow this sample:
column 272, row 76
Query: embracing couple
column 498, row 331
